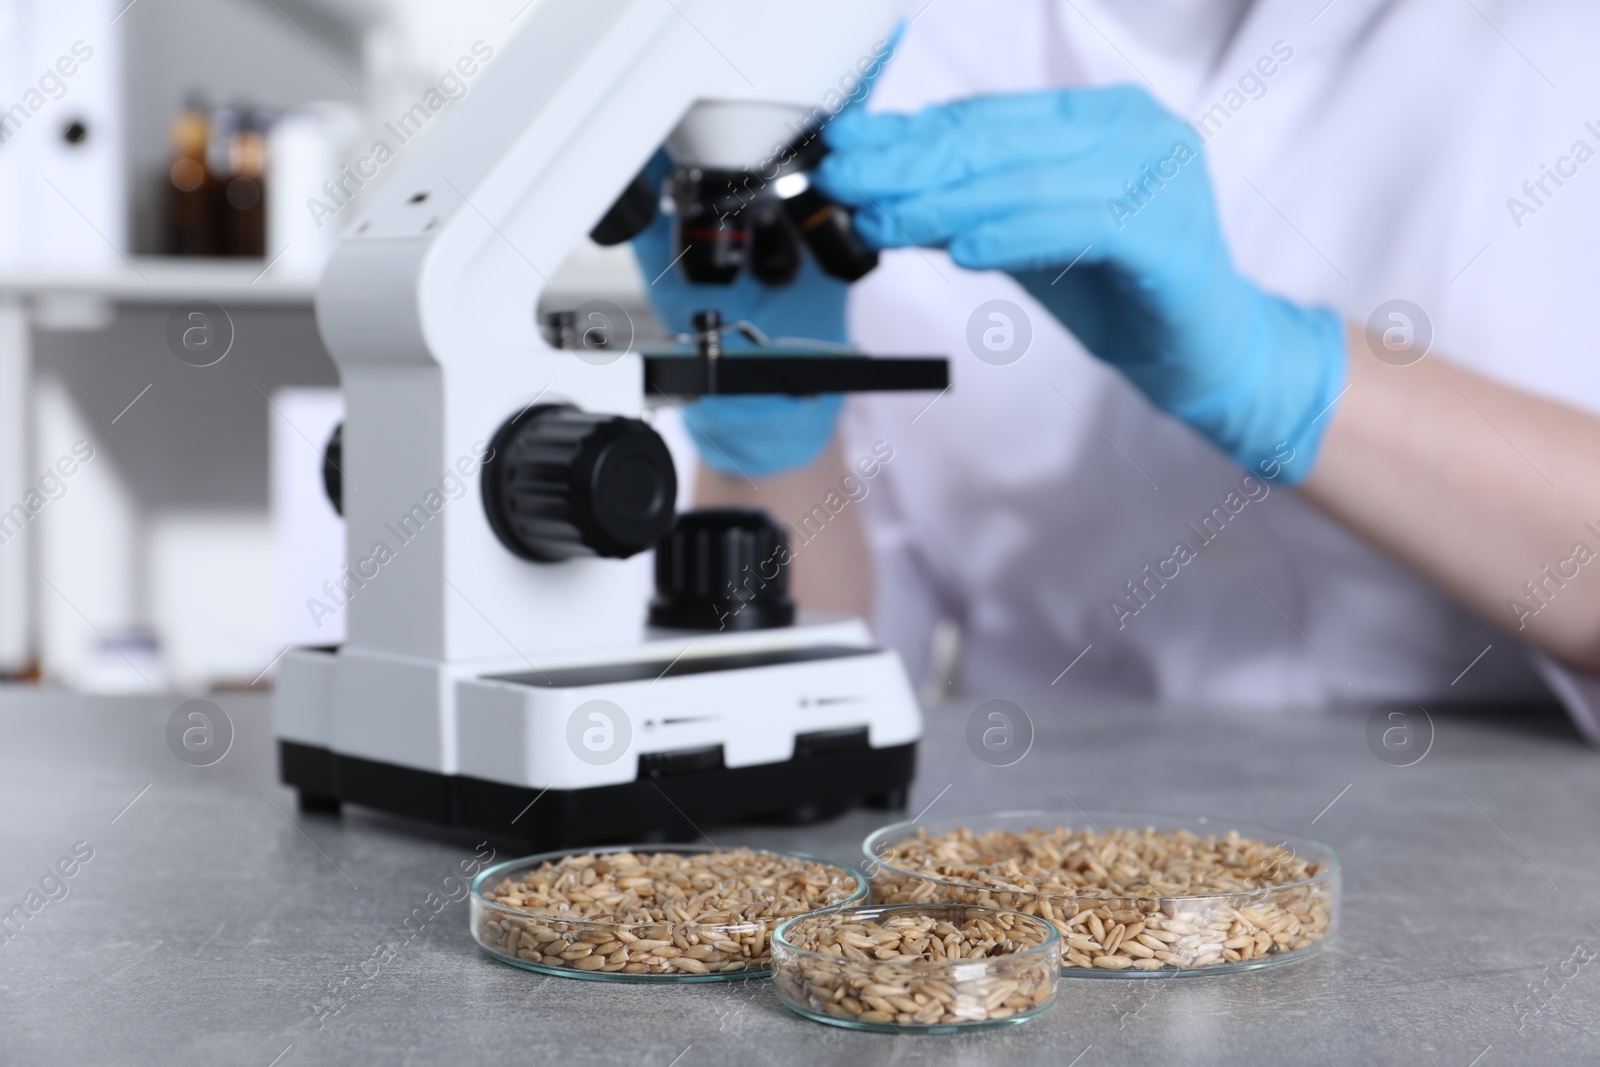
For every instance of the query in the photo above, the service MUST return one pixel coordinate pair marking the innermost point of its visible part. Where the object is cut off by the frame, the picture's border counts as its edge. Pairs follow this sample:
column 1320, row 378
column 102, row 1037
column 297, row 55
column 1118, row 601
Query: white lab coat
column 1376, row 164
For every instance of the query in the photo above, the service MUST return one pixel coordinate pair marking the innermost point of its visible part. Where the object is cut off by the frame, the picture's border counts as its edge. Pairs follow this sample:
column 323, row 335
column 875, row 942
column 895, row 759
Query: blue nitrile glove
column 1106, row 181
column 753, row 436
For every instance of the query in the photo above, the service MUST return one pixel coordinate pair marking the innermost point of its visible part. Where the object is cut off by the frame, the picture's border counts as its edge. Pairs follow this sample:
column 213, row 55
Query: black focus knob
column 560, row 482
column 333, row 468
column 723, row 569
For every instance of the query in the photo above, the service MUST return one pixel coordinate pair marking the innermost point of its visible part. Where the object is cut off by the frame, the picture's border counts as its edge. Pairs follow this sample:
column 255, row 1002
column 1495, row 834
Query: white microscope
column 501, row 670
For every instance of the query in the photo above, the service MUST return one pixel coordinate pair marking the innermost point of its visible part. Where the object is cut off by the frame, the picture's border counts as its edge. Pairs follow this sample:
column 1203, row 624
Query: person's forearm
column 1477, row 486
column 833, row 572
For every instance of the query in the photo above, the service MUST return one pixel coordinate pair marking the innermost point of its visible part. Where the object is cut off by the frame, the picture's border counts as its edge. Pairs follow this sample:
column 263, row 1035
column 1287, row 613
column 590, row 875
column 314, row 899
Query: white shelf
column 165, row 279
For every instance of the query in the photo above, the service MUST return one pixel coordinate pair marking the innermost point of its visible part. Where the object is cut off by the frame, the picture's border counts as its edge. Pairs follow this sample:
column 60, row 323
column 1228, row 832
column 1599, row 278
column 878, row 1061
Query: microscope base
column 640, row 743
column 673, row 807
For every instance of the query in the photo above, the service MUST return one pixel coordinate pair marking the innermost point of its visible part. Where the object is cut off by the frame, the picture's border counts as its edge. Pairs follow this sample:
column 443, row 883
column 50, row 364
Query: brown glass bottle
column 244, row 198
column 191, row 189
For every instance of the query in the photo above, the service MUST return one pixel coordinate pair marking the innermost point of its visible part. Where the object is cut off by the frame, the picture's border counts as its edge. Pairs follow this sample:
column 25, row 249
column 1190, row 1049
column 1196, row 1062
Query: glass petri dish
column 671, row 949
column 1277, row 909
column 932, row 996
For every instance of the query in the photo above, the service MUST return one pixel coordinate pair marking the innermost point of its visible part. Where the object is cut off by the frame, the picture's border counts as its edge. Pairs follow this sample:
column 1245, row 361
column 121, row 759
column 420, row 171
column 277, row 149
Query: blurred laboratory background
column 186, row 165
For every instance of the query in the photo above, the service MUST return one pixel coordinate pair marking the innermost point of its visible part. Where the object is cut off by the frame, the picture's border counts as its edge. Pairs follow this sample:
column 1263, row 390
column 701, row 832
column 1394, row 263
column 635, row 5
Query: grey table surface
column 215, row 925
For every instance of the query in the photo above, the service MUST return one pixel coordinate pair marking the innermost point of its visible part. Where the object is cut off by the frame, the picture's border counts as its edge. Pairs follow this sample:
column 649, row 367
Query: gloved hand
column 1107, row 182
column 752, row 436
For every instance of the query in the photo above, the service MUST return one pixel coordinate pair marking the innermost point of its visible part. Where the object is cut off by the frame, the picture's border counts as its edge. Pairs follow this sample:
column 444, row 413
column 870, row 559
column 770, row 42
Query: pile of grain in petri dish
column 1127, row 899
column 685, row 913
column 938, row 967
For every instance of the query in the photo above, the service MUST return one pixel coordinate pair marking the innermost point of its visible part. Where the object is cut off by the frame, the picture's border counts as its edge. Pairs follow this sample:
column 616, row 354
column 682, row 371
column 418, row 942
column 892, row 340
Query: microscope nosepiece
column 730, row 221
